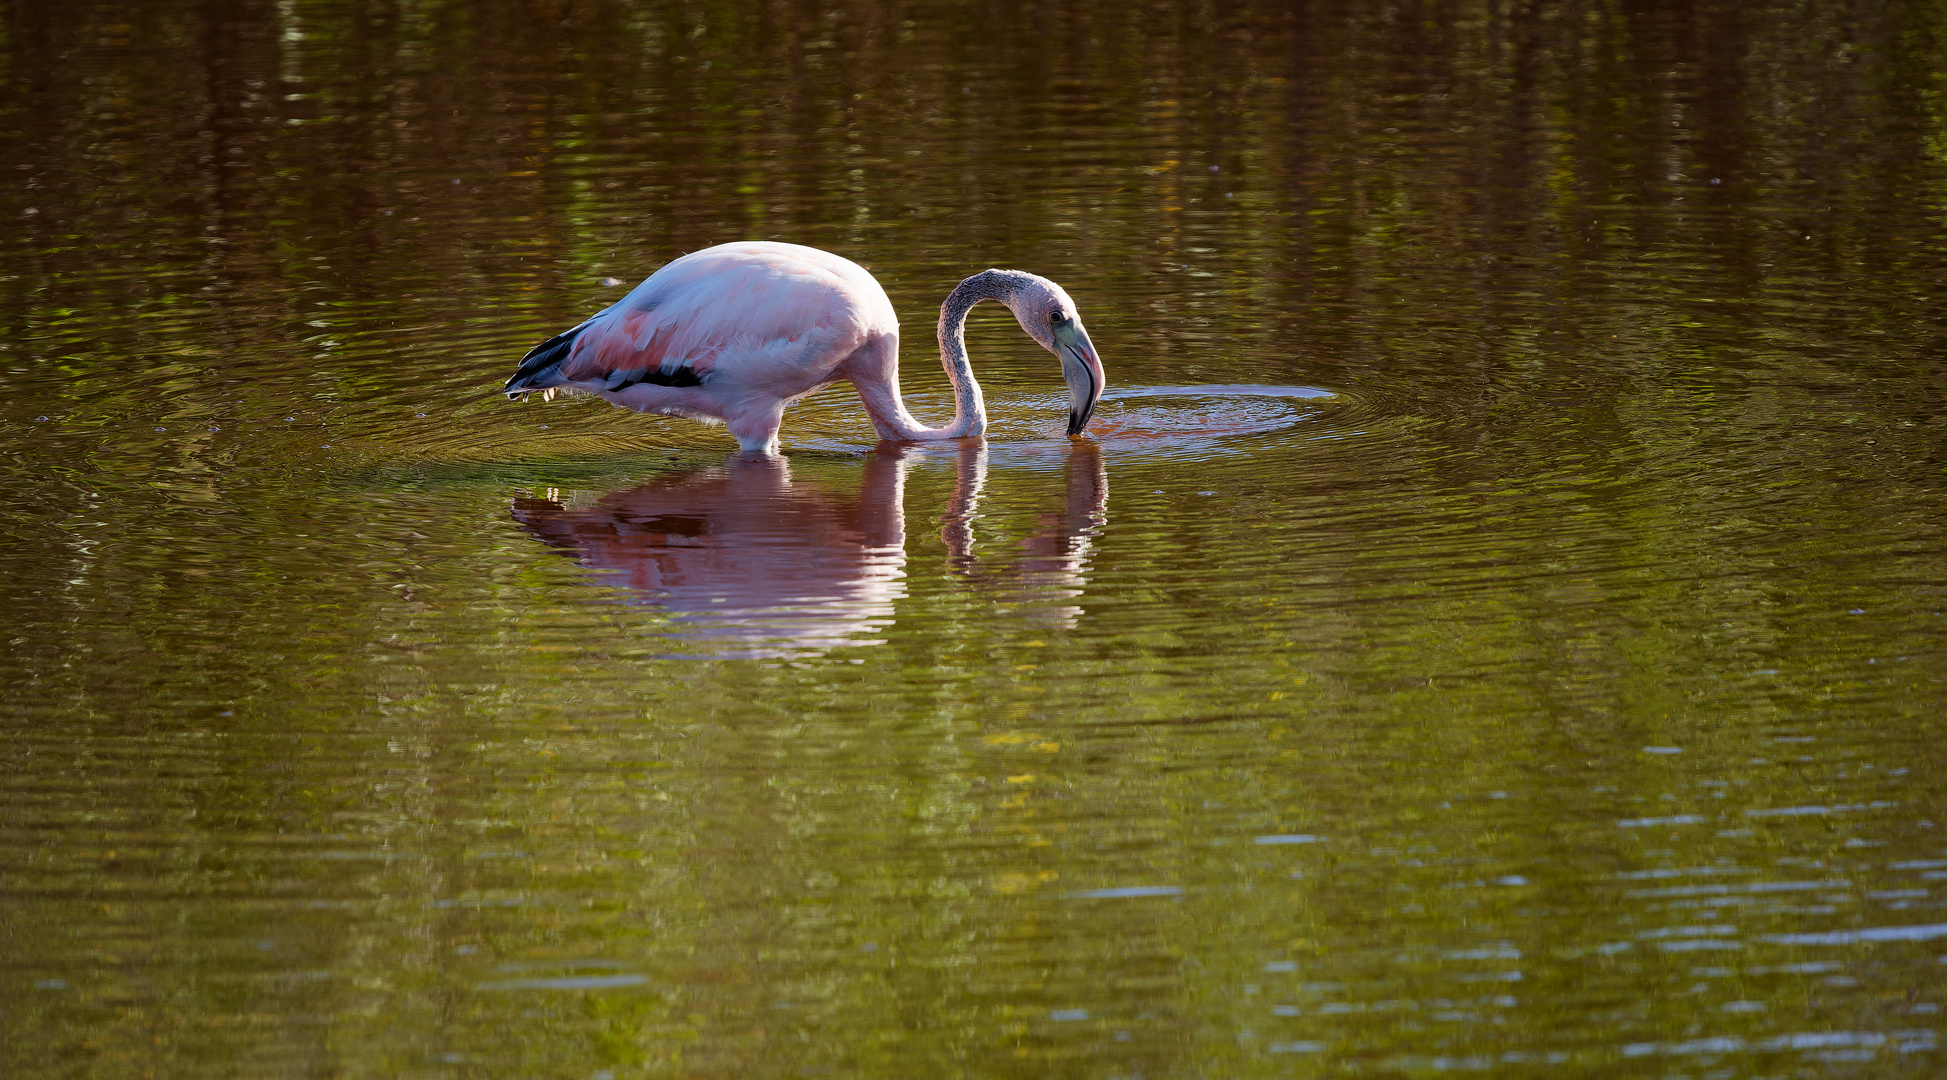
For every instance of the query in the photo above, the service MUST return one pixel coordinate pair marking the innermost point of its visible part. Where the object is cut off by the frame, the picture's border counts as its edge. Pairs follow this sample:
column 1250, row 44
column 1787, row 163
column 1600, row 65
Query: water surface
column 1495, row 626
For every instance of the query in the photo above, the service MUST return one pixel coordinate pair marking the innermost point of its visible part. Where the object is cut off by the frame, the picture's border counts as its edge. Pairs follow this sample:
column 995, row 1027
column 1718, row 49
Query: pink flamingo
column 734, row 333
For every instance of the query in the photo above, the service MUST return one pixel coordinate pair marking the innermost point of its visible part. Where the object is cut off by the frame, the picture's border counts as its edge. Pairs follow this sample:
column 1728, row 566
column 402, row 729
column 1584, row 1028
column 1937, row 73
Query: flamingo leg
column 755, row 426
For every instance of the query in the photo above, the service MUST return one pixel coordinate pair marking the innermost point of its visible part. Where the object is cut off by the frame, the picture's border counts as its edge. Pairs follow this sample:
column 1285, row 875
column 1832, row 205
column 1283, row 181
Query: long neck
column 881, row 394
column 969, row 408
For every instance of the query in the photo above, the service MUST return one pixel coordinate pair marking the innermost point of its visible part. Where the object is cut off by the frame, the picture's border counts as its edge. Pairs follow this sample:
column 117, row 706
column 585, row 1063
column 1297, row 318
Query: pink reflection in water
column 1035, row 577
column 755, row 564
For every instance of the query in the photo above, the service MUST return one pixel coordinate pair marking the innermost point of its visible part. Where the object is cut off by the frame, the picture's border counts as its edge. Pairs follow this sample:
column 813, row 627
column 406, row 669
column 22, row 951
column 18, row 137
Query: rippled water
column 1496, row 624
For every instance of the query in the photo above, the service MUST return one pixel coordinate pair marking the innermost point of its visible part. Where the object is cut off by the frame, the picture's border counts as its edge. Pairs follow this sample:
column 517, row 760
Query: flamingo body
column 729, row 334
column 736, row 332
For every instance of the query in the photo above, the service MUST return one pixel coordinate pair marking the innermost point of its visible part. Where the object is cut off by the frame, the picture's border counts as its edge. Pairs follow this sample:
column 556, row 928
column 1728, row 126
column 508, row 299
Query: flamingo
column 734, row 333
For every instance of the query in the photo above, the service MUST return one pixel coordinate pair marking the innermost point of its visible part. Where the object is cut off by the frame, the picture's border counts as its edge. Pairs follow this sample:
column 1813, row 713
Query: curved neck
column 880, row 391
column 969, row 408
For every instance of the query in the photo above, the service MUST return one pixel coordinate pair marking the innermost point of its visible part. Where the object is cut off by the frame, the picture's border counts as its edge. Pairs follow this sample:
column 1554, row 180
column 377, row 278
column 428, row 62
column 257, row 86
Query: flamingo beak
column 1082, row 370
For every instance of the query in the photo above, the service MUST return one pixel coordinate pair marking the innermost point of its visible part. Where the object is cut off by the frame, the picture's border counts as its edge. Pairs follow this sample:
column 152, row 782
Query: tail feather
column 541, row 367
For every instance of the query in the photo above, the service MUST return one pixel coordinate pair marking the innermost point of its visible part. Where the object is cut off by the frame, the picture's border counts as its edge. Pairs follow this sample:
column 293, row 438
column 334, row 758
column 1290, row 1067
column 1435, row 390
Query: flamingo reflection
column 749, row 562
column 1049, row 565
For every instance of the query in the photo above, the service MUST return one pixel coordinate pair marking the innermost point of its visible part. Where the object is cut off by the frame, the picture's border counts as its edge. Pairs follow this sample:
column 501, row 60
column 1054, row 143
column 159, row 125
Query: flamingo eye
column 1055, row 317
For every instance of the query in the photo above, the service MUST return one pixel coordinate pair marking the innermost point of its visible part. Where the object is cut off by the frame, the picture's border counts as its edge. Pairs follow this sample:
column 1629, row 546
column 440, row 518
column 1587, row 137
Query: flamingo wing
column 728, row 307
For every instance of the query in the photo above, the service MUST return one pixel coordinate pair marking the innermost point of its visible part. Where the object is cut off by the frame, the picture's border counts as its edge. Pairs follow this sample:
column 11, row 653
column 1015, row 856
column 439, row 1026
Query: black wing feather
column 541, row 367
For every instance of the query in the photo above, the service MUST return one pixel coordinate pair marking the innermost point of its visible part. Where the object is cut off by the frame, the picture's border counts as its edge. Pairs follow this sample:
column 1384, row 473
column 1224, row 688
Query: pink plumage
column 736, row 332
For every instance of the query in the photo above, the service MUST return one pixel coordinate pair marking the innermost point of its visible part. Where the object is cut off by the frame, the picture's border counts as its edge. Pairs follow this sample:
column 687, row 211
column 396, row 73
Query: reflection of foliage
column 1640, row 301
column 1616, row 147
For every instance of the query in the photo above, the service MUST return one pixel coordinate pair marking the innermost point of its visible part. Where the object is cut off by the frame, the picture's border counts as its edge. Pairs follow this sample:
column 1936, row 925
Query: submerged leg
column 755, row 426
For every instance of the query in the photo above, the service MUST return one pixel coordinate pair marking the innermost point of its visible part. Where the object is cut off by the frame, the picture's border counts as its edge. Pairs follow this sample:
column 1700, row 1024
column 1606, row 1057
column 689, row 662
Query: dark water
column 1497, row 626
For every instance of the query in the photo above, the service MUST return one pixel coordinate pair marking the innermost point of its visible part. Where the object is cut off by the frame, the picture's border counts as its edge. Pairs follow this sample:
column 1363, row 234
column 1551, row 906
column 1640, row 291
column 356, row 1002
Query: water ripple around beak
column 1169, row 421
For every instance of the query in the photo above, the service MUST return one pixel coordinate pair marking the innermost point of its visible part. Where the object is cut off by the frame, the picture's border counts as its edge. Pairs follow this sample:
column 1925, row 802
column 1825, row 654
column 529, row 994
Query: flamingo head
column 1045, row 311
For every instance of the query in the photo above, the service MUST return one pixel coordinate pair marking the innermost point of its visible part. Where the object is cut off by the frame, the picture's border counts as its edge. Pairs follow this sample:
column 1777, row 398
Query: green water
column 1496, row 627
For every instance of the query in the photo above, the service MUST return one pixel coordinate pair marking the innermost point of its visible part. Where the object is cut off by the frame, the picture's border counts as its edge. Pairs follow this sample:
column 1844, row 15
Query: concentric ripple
column 1140, row 420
